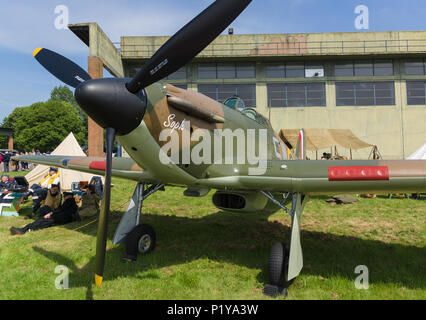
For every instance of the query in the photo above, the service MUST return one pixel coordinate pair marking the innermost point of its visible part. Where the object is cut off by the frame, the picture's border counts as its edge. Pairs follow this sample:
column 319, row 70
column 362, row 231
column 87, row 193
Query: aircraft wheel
column 140, row 240
column 278, row 265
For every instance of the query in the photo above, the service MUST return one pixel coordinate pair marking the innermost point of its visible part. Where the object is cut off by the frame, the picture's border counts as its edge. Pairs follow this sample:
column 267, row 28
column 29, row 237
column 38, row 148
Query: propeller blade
column 188, row 42
column 103, row 218
column 62, row 68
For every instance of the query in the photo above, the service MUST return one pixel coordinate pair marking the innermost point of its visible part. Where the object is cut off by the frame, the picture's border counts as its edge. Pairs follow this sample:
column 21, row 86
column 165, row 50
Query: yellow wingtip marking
column 98, row 280
column 36, row 51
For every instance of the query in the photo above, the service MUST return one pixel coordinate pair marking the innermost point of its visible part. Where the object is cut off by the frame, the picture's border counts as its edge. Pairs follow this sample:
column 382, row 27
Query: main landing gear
column 138, row 238
column 285, row 265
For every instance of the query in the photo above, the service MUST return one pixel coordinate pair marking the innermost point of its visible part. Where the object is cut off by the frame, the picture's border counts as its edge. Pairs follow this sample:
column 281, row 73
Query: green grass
column 203, row 253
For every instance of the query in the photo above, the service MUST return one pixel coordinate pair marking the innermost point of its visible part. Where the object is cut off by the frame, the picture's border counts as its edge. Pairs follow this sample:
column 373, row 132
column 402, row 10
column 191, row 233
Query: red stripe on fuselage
column 358, row 173
column 98, row 165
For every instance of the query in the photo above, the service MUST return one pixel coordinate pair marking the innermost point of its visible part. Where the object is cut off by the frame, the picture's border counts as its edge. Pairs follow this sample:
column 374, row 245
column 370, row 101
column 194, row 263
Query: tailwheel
column 277, row 268
column 140, row 240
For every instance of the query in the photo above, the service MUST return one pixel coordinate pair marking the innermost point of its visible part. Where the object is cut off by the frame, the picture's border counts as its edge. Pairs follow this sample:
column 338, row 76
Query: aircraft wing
column 125, row 168
column 332, row 177
column 303, row 176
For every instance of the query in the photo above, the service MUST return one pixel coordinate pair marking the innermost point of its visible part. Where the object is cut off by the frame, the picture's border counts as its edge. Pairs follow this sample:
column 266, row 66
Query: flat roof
column 269, row 46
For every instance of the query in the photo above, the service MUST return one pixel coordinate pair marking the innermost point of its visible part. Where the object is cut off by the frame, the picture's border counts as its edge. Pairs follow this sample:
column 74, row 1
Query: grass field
column 203, row 253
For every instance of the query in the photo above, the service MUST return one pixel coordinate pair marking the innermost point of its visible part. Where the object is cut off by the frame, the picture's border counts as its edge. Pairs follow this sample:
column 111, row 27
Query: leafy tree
column 44, row 125
column 63, row 93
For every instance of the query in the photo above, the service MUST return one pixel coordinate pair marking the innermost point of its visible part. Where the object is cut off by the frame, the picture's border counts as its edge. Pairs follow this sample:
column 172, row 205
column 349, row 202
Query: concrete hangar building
column 373, row 83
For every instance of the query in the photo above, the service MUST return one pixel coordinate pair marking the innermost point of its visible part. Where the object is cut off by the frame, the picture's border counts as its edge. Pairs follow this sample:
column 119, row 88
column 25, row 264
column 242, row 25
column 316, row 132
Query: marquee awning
column 320, row 139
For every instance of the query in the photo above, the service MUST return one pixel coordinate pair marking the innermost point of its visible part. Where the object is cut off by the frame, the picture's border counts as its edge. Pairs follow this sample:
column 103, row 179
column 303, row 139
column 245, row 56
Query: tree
column 63, row 93
column 44, row 125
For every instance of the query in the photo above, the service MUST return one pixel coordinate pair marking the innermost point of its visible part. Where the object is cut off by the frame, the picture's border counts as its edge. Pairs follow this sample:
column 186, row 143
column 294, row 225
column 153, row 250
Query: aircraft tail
column 300, row 147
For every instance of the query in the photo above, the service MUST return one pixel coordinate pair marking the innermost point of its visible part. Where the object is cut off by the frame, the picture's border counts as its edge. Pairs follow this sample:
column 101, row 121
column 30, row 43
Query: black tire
column 278, row 266
column 277, row 258
column 140, row 240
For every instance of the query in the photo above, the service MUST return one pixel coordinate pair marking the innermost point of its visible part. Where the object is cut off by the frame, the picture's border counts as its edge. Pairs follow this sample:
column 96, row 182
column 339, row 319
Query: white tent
column 419, row 154
column 68, row 147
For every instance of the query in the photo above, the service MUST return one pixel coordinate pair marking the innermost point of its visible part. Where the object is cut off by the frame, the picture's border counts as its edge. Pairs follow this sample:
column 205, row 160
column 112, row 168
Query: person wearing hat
column 39, row 191
column 49, row 204
column 46, row 183
column 66, row 213
column 51, row 178
column 89, row 203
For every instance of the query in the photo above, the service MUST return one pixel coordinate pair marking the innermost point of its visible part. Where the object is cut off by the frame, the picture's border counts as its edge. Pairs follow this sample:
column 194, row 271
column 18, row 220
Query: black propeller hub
column 111, row 105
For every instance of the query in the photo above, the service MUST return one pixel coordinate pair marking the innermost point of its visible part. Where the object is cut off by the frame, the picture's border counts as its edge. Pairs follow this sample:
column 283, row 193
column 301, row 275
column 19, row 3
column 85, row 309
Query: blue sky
column 26, row 25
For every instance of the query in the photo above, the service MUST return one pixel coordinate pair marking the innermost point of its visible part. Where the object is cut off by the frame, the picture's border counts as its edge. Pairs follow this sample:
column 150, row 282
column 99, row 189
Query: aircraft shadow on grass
column 245, row 240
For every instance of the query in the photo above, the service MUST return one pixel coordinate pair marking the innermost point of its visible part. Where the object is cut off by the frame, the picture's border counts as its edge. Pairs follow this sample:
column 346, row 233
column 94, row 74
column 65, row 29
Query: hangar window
column 364, row 68
column 207, row 71
column 383, row 68
column 221, row 92
column 294, row 70
column 226, row 71
column 344, row 69
column 415, row 67
column 178, row 75
column 296, row 94
column 314, row 70
column 245, row 71
column 275, row 70
column 416, row 93
column 365, row 93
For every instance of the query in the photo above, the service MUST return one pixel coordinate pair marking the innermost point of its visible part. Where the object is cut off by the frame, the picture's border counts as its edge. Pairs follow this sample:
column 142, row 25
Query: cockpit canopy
column 235, row 103
column 254, row 115
column 238, row 104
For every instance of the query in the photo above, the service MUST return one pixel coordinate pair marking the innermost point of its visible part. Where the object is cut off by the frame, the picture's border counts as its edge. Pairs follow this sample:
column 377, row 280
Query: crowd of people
column 11, row 165
column 50, row 206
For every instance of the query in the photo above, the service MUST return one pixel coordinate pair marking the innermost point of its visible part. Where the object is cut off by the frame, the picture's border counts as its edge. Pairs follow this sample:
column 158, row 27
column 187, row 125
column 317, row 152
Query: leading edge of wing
column 331, row 177
column 125, row 168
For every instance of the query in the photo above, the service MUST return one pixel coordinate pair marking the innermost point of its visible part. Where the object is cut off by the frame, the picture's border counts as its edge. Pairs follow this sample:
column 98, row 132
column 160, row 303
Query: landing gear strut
column 139, row 238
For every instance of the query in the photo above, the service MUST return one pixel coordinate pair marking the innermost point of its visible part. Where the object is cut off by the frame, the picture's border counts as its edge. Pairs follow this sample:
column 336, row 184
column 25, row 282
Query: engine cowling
column 250, row 202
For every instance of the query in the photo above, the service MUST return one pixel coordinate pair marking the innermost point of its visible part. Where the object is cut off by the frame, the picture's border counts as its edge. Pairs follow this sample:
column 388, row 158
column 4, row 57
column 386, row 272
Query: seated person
column 51, row 178
column 89, row 203
column 39, row 191
column 66, row 213
column 5, row 186
column 49, row 204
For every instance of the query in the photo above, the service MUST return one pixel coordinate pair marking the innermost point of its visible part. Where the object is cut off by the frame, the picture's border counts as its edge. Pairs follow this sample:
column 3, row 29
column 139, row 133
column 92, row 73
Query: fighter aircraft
column 162, row 127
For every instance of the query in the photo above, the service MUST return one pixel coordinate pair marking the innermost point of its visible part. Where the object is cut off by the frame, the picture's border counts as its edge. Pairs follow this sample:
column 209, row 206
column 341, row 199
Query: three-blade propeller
column 118, row 105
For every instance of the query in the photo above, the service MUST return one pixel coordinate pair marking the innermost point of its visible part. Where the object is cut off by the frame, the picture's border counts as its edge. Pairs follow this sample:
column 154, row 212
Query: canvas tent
column 68, row 147
column 319, row 139
column 419, row 154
